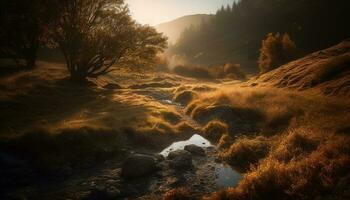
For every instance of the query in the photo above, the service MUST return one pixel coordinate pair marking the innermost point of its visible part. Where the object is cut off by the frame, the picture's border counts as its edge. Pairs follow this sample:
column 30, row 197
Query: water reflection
column 225, row 175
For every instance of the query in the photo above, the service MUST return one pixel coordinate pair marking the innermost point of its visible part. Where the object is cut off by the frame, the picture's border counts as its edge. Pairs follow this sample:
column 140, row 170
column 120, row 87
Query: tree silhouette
column 276, row 50
column 22, row 26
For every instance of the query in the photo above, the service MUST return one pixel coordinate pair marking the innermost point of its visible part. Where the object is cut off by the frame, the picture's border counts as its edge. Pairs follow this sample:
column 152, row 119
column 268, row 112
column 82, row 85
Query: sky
column 154, row 12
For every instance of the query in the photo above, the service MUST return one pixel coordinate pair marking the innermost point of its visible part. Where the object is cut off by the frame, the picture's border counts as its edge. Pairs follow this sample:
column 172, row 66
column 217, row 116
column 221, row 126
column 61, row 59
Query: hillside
column 235, row 33
column 326, row 71
column 173, row 29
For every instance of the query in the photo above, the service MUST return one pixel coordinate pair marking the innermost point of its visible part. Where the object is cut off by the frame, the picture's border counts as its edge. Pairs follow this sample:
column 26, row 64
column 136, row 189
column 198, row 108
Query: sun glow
column 154, row 12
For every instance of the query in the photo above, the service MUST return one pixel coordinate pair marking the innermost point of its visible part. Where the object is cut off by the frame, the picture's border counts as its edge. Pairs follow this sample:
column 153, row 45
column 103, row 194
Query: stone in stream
column 138, row 165
column 180, row 160
column 194, row 149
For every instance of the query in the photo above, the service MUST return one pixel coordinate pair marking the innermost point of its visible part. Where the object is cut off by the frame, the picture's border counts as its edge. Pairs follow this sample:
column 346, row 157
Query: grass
column 214, row 130
column 299, row 150
column 246, row 152
column 178, row 194
column 229, row 70
column 52, row 151
column 308, row 170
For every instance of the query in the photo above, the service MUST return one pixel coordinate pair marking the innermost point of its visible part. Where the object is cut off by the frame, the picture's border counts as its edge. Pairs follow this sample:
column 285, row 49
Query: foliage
column 276, row 50
column 22, row 26
column 95, row 35
column 235, row 33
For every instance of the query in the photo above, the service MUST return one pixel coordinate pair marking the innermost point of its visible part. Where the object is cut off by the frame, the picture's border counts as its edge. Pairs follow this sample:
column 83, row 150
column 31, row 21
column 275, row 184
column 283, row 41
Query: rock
column 194, row 149
column 138, row 165
column 159, row 157
column 180, row 160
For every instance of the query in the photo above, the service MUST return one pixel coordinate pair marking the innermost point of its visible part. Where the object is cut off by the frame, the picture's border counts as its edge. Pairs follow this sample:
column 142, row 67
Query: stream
column 225, row 176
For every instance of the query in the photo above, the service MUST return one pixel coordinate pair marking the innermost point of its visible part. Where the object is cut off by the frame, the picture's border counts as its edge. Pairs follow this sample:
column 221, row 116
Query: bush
column 245, row 152
column 178, row 194
column 214, row 130
column 234, row 71
column 276, row 50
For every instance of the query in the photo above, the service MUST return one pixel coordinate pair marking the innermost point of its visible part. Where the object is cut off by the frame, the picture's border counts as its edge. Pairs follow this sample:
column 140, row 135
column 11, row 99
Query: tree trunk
column 31, row 56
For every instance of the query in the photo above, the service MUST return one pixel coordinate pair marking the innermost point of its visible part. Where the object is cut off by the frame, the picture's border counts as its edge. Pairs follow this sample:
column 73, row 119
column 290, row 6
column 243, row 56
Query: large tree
column 95, row 35
column 22, row 26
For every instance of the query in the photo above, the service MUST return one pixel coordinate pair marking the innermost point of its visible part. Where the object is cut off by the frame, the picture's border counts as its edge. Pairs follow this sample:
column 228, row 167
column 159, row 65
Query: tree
column 94, row 35
column 276, row 50
column 22, row 25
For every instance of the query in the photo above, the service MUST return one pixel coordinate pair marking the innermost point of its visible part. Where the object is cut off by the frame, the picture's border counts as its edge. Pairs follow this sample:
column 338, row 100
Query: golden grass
column 311, row 168
column 178, row 194
column 229, row 70
column 214, row 130
column 299, row 151
column 246, row 152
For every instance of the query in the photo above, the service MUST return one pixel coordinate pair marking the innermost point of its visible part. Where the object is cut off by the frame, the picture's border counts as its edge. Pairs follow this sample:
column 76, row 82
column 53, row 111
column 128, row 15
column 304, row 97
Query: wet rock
column 159, row 157
column 180, row 160
column 138, row 165
column 195, row 150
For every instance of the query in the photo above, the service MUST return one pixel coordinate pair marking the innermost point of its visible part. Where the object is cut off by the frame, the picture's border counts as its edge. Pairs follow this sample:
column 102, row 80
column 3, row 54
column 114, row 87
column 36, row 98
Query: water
column 195, row 139
column 225, row 175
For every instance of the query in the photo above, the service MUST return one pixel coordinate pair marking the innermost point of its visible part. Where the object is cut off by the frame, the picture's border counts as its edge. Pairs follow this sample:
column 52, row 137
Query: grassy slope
column 326, row 72
column 288, row 144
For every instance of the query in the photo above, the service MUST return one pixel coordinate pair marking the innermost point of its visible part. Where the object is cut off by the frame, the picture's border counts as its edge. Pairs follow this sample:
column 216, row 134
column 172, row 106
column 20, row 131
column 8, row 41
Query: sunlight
column 154, row 12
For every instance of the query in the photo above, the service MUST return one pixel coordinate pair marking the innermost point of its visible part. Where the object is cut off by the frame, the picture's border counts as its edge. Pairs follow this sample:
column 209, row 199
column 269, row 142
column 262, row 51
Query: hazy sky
column 154, row 12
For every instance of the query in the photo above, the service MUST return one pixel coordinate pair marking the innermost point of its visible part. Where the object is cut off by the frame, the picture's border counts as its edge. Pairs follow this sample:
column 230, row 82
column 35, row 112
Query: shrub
column 225, row 141
column 245, row 152
column 214, row 130
column 234, row 71
column 276, row 50
column 178, row 194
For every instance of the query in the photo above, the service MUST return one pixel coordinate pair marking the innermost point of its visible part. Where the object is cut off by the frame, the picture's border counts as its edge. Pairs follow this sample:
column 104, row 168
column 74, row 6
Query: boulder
column 180, row 160
column 138, row 165
column 195, row 150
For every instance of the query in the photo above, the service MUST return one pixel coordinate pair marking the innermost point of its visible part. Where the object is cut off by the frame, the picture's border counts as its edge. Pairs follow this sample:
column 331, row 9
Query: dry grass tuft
column 225, row 141
column 214, row 130
column 178, row 194
column 303, row 164
column 245, row 152
column 185, row 97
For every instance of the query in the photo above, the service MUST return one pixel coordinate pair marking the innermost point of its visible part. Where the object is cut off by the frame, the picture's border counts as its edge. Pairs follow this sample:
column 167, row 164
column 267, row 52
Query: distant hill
column 326, row 71
column 174, row 28
column 235, row 33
